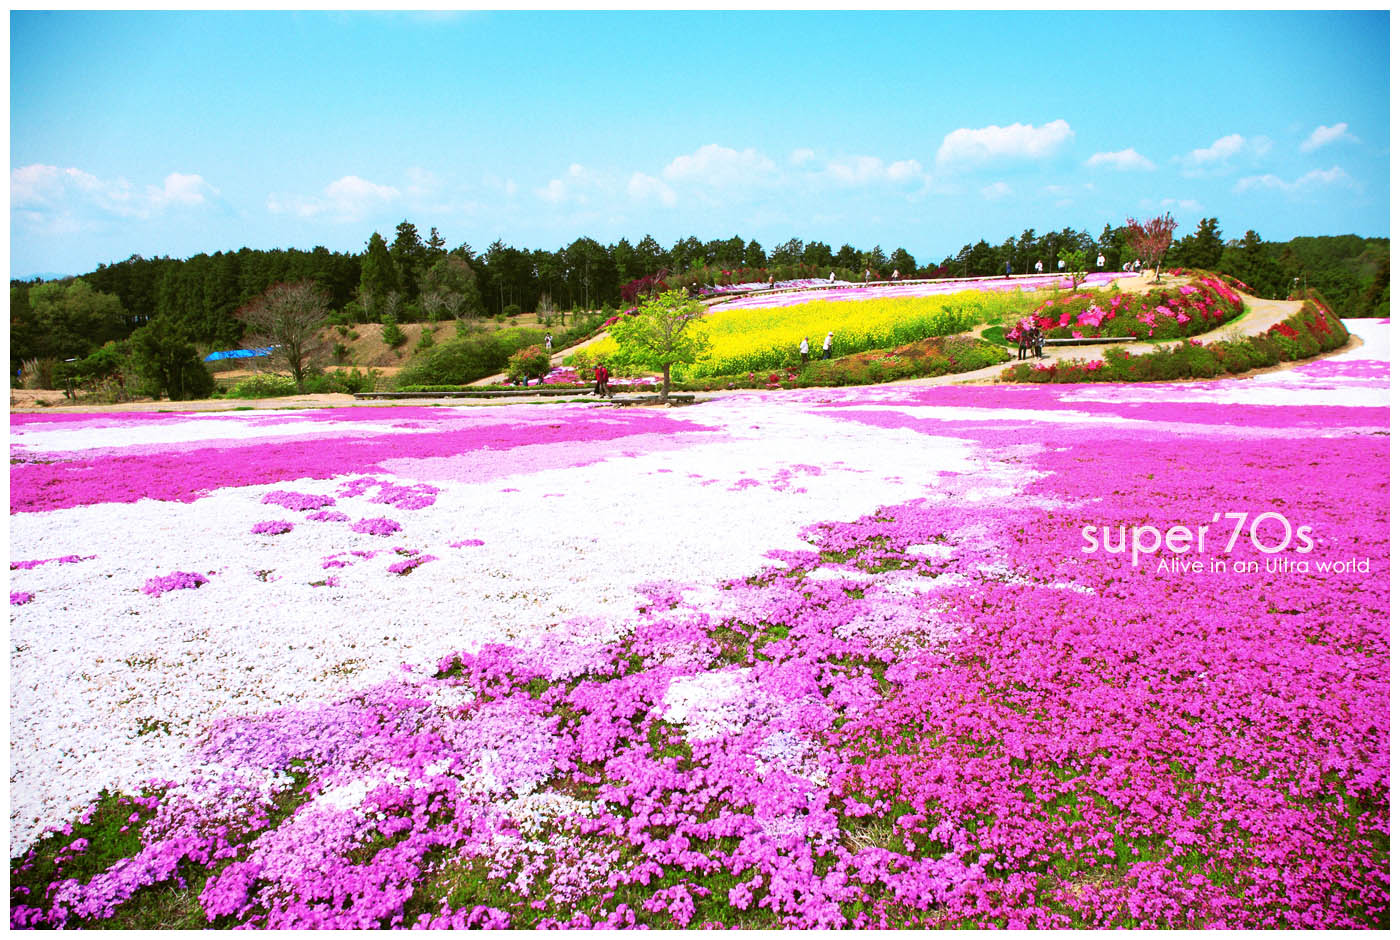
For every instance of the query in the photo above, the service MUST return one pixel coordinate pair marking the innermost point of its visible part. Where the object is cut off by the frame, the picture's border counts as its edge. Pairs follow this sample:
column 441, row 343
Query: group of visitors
column 1030, row 339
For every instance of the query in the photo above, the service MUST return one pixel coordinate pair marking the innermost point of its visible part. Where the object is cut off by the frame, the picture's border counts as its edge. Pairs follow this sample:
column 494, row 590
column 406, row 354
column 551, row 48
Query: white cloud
column 801, row 155
column 865, row 171
column 1325, row 135
column 1185, row 205
column 348, row 199
column 1313, row 179
column 1015, row 142
column 70, row 199
column 554, row 191
column 713, row 165
column 1128, row 159
column 644, row 188
column 1218, row 156
column 998, row 190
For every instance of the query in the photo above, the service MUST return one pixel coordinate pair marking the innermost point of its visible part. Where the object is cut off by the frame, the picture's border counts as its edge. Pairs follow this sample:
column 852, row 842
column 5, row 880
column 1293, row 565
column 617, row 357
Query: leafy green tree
column 410, row 257
column 288, row 318
column 378, row 275
column 788, row 253
column 753, row 254
column 165, row 360
column 650, row 255
column 903, row 262
column 1076, row 263
column 450, row 289
column 1250, row 261
column 1202, row 249
column 663, row 333
column 69, row 320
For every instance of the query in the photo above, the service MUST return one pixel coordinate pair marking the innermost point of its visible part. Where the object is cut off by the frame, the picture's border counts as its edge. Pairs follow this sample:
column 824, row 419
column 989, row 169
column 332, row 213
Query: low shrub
column 532, row 362
column 266, row 385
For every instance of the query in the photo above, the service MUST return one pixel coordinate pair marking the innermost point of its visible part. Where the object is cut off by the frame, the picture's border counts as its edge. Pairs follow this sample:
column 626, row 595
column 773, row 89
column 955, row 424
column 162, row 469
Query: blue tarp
column 239, row 354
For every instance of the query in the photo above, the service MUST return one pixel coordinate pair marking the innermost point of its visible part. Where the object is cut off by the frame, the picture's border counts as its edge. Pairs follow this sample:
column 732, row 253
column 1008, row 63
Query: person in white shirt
column 1039, row 268
column 832, row 278
column 826, row 346
column 805, row 350
column 1100, row 262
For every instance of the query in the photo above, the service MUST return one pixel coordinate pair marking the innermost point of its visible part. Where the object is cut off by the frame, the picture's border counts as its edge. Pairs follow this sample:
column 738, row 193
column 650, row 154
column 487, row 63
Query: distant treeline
column 412, row 279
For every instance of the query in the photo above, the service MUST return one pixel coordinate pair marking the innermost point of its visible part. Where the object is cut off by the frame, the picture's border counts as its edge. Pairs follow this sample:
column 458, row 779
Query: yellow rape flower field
column 766, row 338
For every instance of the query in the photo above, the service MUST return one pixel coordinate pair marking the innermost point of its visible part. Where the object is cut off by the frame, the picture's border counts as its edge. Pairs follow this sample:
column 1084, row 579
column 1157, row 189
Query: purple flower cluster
column 20, row 597
column 376, row 526
column 297, row 502
column 272, row 527
column 175, row 581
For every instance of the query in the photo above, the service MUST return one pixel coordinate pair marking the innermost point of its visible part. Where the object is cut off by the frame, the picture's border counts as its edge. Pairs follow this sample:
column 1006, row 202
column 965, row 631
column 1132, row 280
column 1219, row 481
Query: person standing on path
column 1008, row 269
column 549, row 344
column 1039, row 268
column 1100, row 263
column 600, row 381
column 805, row 350
column 826, row 346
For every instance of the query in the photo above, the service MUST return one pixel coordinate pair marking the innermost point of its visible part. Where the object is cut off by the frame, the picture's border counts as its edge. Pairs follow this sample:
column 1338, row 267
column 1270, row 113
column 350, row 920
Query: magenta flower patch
column 408, row 564
column 175, row 581
column 376, row 526
column 20, row 597
column 297, row 502
column 328, row 515
column 272, row 527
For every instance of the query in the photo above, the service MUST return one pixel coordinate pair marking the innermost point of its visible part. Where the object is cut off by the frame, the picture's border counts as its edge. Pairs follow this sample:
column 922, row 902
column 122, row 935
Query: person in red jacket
column 600, row 381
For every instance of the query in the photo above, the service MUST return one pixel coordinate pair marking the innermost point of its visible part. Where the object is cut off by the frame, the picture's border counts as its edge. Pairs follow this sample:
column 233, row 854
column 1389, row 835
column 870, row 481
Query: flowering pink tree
column 1151, row 239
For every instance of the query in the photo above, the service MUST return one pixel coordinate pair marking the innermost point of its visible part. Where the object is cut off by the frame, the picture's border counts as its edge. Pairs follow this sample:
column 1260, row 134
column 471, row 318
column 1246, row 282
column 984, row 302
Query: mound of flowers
column 1313, row 329
column 1178, row 310
column 938, row 355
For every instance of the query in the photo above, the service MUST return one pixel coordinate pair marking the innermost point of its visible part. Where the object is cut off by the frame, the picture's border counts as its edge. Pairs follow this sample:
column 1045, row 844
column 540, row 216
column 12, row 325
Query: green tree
column 753, row 254
column 288, row 319
column 903, row 262
column 663, row 333
column 165, row 360
column 1076, row 263
column 71, row 320
column 450, row 289
column 410, row 257
column 378, row 276
column 1203, row 248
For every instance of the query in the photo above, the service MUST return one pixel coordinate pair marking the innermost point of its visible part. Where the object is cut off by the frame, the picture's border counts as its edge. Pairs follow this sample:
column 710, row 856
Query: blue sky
column 175, row 133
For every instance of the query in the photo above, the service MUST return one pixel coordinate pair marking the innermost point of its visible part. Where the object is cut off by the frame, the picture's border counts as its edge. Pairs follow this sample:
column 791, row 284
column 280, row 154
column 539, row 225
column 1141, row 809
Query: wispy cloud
column 1324, row 136
column 1128, row 159
column 1313, row 179
column 348, row 199
column 40, row 188
column 644, row 188
column 1219, row 156
column 720, row 167
column 997, row 190
column 1184, row 205
column 866, row 170
column 968, row 147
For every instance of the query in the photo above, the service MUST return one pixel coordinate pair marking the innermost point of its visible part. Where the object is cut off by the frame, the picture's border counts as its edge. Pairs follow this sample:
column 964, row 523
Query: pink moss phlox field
column 943, row 713
column 175, row 581
column 42, row 482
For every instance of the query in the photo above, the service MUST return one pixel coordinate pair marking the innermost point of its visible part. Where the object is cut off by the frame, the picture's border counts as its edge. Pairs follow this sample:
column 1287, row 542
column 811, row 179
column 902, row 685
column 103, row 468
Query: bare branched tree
column 288, row 318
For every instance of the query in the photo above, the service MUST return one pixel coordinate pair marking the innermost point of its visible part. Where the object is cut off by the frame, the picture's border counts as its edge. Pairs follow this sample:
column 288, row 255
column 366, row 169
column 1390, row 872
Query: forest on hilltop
column 412, row 279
